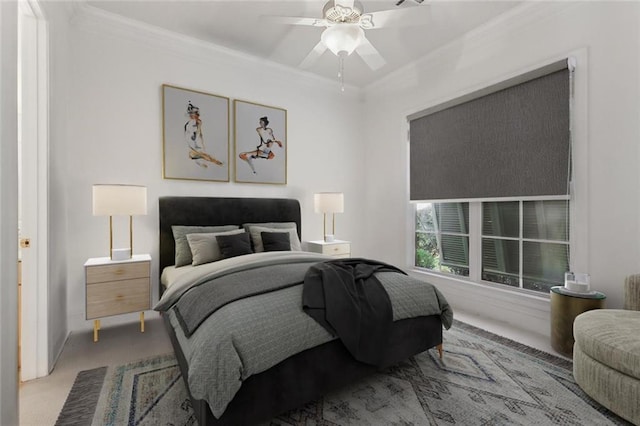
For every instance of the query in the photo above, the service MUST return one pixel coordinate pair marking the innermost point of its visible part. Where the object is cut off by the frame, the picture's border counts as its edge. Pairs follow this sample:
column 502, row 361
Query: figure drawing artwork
column 260, row 143
column 196, row 135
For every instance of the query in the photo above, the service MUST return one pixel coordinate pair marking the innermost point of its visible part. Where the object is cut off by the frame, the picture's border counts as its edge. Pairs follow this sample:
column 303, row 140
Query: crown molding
column 513, row 21
column 90, row 19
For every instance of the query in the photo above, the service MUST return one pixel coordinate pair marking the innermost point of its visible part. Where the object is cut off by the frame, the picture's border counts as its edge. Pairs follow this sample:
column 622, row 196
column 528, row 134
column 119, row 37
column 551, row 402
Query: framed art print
column 260, row 143
column 195, row 128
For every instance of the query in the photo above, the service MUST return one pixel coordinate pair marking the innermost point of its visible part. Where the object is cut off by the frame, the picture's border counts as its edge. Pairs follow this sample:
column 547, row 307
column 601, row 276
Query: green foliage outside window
column 427, row 255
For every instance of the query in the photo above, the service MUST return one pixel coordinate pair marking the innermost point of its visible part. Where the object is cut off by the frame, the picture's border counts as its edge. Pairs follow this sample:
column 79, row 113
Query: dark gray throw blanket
column 201, row 301
column 346, row 298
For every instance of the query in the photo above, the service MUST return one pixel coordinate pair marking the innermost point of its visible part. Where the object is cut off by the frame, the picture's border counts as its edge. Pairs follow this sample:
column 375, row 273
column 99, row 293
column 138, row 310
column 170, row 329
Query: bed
column 301, row 377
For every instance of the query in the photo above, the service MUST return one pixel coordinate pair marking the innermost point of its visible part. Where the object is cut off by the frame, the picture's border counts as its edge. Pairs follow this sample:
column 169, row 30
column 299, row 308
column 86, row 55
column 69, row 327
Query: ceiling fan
column 345, row 23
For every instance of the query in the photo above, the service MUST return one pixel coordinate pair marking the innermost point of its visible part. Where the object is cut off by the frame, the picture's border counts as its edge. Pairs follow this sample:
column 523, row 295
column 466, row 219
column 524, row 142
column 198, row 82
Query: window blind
column 508, row 140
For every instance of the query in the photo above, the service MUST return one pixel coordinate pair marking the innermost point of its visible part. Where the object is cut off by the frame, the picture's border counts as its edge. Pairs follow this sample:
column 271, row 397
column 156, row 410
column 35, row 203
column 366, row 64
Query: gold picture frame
column 195, row 135
column 260, row 143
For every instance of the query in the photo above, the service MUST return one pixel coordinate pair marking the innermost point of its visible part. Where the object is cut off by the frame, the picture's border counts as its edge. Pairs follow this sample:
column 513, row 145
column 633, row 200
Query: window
column 489, row 172
column 523, row 244
column 442, row 237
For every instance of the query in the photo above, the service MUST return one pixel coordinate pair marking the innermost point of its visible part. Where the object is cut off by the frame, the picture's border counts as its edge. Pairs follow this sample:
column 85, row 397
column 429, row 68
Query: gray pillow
column 277, row 225
column 205, row 248
column 256, row 237
column 183, row 252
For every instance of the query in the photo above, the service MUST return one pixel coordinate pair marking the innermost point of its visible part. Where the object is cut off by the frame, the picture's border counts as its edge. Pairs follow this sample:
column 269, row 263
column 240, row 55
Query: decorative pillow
column 183, row 252
column 234, row 245
column 205, row 248
column 256, row 237
column 275, row 241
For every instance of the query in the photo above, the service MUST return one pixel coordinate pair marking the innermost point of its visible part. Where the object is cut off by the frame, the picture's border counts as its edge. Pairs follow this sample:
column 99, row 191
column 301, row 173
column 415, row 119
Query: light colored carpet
column 483, row 379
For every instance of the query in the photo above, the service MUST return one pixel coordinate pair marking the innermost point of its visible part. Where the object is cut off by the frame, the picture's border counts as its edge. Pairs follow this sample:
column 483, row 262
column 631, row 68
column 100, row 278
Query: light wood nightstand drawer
column 342, row 256
column 117, row 297
column 119, row 271
column 337, row 249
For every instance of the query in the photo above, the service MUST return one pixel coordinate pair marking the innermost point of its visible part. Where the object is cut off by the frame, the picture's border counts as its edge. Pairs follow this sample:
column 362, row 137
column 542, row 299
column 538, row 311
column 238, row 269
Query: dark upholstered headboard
column 211, row 211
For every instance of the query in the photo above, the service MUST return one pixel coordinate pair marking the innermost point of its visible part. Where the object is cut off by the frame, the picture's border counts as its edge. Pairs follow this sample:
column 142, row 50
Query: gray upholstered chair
column 606, row 354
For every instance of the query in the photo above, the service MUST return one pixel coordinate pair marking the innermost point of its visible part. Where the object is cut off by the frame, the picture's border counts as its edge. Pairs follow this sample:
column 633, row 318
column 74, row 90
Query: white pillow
column 205, row 248
column 257, row 238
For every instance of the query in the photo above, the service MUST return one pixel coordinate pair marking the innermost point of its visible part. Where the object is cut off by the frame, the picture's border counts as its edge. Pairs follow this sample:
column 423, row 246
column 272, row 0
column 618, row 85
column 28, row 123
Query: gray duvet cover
column 250, row 335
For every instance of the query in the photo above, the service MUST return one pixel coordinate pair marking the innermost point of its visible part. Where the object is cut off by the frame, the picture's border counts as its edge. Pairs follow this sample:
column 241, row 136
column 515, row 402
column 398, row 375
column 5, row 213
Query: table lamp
column 328, row 202
column 114, row 200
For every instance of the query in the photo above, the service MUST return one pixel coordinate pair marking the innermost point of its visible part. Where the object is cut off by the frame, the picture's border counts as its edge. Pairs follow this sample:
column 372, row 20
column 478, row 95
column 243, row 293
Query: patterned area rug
column 483, row 379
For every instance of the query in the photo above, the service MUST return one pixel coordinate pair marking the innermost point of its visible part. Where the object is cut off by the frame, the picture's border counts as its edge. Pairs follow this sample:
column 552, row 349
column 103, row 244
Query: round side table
column 565, row 307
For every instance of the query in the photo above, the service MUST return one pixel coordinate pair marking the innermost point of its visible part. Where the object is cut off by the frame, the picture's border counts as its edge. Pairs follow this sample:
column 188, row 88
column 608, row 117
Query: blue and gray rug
column 483, row 379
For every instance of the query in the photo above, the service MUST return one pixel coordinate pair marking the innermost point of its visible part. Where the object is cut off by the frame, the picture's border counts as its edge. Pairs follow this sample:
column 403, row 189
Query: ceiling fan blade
column 313, row 56
column 295, row 20
column 370, row 55
column 400, row 17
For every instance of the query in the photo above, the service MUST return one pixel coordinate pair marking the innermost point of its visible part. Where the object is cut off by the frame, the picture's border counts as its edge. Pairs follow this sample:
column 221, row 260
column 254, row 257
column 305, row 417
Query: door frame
column 8, row 214
column 35, row 283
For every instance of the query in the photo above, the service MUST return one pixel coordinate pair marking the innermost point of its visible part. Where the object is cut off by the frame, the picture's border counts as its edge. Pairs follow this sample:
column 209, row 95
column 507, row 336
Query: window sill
column 484, row 285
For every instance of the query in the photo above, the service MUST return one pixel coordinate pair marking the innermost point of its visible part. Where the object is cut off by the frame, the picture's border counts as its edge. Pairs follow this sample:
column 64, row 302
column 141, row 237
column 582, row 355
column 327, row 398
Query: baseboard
column 56, row 357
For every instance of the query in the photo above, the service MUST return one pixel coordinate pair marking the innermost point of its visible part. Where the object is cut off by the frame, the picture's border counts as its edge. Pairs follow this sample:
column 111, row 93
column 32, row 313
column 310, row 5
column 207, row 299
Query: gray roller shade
column 513, row 142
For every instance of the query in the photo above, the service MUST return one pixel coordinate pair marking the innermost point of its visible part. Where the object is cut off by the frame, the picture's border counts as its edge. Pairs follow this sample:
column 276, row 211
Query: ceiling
column 241, row 25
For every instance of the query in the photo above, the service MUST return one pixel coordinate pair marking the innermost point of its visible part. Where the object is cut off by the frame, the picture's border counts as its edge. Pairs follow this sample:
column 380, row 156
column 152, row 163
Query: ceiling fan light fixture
column 342, row 38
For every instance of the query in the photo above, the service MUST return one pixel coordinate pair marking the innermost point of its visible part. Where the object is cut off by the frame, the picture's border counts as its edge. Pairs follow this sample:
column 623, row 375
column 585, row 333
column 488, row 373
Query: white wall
column 112, row 134
column 106, row 127
column 605, row 38
column 8, row 213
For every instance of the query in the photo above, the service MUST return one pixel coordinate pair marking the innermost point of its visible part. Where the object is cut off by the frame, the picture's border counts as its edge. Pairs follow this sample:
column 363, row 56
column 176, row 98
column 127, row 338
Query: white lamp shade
column 342, row 38
column 114, row 200
column 328, row 202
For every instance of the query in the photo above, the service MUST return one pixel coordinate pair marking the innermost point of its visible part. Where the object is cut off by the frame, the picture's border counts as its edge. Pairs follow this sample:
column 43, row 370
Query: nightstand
column 117, row 287
column 336, row 248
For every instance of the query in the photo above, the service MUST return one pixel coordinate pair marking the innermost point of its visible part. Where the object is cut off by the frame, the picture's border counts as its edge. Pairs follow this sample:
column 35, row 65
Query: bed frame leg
column 439, row 347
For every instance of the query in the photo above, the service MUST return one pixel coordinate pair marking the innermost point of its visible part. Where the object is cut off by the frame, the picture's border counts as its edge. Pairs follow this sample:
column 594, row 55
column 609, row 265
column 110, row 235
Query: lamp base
column 329, row 238
column 121, row 254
